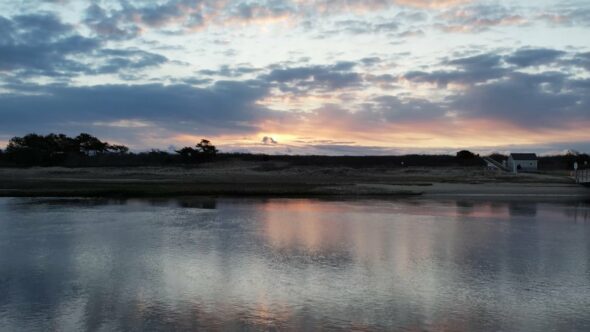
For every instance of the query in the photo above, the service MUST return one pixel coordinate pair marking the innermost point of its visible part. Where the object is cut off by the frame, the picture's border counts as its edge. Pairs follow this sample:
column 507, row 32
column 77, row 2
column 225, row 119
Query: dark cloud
column 371, row 61
column 194, row 81
column 527, row 100
column 581, row 60
column 262, row 9
column 549, row 99
column 582, row 85
column 490, row 66
column 394, row 109
column 129, row 20
column 477, row 62
column 377, row 112
column 117, row 60
column 384, row 81
column 469, row 70
column 495, row 89
column 534, row 57
column 224, row 107
column 109, row 25
column 229, row 71
column 178, row 16
column 326, row 78
column 41, row 44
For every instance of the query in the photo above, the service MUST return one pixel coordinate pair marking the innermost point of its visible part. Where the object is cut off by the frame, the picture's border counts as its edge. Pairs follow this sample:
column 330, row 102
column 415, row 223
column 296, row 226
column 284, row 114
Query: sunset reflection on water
column 294, row 264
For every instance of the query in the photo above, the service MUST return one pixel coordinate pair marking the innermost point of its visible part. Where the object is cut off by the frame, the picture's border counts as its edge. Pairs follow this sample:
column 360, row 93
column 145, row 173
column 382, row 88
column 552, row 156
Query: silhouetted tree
column 120, row 149
column 468, row 158
column 30, row 149
column 204, row 150
column 90, row 145
column 465, row 154
column 206, row 147
column 33, row 149
column 187, row 153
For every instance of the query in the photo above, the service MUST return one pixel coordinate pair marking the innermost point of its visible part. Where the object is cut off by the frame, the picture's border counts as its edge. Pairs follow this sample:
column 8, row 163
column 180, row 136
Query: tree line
column 85, row 149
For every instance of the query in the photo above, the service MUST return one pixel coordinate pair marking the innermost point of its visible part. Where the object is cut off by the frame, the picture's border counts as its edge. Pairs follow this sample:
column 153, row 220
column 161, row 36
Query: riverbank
column 280, row 179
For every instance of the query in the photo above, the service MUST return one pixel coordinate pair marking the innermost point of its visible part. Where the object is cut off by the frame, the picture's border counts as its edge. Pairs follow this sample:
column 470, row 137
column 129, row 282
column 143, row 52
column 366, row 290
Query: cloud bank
column 374, row 74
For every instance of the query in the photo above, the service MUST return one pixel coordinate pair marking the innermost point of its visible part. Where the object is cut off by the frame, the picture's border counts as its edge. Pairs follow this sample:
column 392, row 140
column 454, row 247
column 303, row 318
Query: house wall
column 525, row 165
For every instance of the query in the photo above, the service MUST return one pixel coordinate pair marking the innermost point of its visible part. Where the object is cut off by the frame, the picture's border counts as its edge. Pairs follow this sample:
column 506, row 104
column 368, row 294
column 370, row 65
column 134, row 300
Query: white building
column 522, row 162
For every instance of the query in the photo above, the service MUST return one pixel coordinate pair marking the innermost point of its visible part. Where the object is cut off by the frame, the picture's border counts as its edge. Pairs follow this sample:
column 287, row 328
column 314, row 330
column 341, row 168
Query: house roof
column 523, row 156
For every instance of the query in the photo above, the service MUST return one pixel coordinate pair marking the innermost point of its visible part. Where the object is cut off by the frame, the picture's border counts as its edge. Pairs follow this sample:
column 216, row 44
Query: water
column 189, row 264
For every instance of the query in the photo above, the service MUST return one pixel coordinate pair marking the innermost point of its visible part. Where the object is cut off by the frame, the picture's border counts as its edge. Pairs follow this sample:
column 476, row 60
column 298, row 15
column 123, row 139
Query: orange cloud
column 432, row 134
column 303, row 134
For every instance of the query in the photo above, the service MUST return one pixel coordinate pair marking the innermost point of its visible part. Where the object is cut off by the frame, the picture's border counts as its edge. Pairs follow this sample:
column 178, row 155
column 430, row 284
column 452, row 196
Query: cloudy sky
column 300, row 76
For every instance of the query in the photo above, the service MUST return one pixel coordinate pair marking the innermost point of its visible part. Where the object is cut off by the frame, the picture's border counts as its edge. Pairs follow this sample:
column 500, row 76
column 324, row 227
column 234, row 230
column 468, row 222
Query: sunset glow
column 300, row 77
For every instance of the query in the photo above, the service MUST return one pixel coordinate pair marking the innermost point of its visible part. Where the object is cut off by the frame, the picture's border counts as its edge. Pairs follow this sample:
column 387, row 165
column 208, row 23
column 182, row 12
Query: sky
column 334, row 77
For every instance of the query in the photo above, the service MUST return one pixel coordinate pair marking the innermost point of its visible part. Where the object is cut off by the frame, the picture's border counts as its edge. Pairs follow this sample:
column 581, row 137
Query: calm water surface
column 227, row 264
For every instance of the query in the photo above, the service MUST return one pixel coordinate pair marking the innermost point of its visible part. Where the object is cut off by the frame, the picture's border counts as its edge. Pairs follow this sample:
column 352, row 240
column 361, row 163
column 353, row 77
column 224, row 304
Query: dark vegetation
column 86, row 150
column 56, row 149
column 203, row 151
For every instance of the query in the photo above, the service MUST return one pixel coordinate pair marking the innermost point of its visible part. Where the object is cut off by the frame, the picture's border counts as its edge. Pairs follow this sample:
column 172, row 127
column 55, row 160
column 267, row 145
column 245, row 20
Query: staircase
column 495, row 164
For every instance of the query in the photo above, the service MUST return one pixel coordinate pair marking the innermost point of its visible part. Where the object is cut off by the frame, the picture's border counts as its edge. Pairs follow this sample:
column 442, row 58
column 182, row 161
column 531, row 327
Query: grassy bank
column 254, row 178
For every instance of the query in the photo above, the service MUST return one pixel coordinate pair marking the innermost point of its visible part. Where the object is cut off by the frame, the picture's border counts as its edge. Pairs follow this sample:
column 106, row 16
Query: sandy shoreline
column 250, row 179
